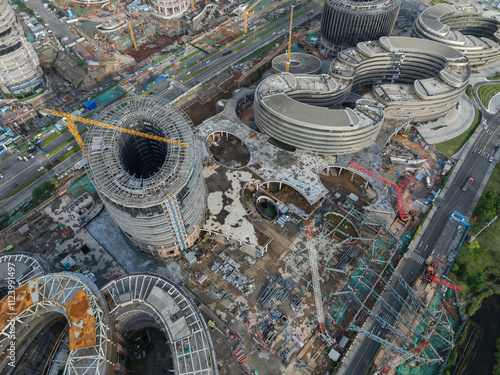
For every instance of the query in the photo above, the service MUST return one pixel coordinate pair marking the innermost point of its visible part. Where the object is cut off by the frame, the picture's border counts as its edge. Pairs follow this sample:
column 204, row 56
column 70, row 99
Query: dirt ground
column 343, row 185
column 148, row 50
column 287, row 194
column 229, row 151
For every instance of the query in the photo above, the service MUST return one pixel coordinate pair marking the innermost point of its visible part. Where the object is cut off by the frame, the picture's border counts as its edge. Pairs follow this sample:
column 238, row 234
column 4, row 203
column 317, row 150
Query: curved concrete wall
column 410, row 78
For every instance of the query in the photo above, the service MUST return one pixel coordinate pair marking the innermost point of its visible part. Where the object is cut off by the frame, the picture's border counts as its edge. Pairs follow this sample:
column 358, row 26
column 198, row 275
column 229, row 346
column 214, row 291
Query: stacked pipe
column 278, row 289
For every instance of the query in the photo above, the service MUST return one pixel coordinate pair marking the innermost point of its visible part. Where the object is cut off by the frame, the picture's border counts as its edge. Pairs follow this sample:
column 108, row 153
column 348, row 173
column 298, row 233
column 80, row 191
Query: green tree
column 455, row 267
column 477, row 282
column 488, row 208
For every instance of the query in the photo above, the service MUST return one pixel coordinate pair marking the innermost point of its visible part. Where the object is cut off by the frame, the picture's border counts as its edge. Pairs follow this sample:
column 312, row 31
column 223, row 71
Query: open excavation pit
column 152, row 188
column 228, row 150
column 344, row 181
column 267, row 208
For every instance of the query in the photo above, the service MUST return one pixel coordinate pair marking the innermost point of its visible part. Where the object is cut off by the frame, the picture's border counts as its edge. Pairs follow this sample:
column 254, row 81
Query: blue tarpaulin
column 90, row 105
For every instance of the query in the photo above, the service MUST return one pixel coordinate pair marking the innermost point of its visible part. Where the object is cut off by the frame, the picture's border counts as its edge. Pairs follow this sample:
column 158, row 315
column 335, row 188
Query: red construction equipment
column 398, row 361
column 313, row 263
column 446, row 283
column 431, row 274
column 399, row 188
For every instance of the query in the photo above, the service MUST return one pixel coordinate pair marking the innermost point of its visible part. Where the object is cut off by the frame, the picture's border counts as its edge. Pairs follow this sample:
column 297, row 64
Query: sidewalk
column 453, row 124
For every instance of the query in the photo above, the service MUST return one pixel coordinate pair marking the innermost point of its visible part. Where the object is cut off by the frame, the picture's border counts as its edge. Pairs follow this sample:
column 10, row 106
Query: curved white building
column 20, row 73
column 463, row 27
column 170, row 9
column 411, row 78
column 153, row 190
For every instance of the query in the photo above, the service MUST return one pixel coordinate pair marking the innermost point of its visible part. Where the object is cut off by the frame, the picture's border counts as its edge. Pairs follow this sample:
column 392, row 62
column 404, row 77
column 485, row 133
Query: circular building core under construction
column 153, row 189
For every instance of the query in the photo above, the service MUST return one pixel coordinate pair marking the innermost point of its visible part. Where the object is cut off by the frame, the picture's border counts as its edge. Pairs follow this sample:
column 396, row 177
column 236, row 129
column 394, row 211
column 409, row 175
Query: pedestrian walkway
column 450, row 126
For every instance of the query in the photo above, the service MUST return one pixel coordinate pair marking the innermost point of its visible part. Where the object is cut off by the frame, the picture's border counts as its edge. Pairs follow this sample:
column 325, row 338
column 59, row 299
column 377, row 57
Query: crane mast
column 245, row 15
column 313, row 263
column 289, row 52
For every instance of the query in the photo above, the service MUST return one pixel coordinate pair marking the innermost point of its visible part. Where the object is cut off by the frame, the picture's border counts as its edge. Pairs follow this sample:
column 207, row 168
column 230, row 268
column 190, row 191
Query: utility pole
column 483, row 228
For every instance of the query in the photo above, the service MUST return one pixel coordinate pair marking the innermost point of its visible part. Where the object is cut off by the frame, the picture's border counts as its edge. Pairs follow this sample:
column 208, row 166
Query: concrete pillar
column 366, row 184
column 280, row 185
column 352, row 176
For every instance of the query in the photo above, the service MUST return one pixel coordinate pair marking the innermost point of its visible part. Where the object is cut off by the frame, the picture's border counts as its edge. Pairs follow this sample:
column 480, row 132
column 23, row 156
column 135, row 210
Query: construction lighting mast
column 399, row 188
column 70, row 121
column 313, row 263
column 289, row 52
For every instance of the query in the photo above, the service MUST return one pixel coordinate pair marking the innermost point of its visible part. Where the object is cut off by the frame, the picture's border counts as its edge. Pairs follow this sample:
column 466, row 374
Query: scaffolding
column 154, row 190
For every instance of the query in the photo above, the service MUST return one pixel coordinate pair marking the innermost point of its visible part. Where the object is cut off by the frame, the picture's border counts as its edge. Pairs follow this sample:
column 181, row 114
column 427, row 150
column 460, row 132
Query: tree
column 477, row 282
column 455, row 267
column 40, row 191
column 488, row 208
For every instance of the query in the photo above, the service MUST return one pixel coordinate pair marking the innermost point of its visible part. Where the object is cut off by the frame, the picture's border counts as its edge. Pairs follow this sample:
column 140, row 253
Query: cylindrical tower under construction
column 20, row 73
column 345, row 23
column 154, row 190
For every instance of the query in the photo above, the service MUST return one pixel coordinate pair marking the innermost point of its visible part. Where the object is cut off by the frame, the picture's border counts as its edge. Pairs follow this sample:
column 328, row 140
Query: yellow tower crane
column 245, row 15
column 129, row 26
column 192, row 5
column 132, row 34
column 289, row 52
column 70, row 121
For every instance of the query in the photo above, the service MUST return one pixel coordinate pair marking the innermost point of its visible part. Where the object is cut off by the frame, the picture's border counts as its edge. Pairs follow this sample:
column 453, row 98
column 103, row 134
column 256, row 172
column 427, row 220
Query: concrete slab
column 450, row 126
column 107, row 233
column 298, row 169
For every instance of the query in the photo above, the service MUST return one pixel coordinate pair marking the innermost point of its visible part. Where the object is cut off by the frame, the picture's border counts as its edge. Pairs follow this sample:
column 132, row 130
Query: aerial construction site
column 243, row 202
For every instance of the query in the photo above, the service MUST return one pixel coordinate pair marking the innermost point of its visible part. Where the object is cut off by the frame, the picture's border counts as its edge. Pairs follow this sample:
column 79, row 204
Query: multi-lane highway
column 476, row 162
column 16, row 171
column 217, row 62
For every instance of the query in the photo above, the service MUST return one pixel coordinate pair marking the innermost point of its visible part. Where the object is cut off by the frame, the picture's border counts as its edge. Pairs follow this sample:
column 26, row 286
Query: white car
column 40, row 169
column 70, row 148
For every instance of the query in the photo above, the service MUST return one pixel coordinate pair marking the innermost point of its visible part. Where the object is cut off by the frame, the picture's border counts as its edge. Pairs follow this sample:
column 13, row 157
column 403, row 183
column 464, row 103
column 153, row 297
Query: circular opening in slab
column 340, row 227
column 228, row 150
column 267, row 208
column 142, row 157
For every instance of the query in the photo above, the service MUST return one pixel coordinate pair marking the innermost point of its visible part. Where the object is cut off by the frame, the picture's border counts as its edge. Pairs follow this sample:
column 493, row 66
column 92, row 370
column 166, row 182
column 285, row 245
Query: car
column 207, row 62
column 490, row 159
column 40, row 169
column 70, row 148
column 1, row 175
column 188, row 73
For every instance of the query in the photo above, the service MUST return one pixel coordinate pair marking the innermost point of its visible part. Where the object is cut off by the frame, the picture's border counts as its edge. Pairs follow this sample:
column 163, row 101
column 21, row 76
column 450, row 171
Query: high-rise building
column 20, row 73
column 153, row 190
column 345, row 23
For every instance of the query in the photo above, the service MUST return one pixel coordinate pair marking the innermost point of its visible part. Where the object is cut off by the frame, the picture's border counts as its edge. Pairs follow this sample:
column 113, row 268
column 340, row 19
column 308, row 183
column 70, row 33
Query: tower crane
column 313, row 263
column 245, row 15
column 289, row 52
column 398, row 361
column 399, row 188
column 70, row 122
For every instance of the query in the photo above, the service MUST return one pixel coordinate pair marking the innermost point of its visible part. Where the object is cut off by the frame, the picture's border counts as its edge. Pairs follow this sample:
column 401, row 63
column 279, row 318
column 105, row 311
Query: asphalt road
column 59, row 27
column 455, row 199
column 17, row 171
column 218, row 62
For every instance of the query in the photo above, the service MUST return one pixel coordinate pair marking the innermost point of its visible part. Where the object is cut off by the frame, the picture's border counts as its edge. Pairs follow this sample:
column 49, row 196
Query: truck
column 468, row 183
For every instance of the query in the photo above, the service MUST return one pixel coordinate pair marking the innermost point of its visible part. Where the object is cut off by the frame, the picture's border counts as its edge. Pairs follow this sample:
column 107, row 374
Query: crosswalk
column 416, row 257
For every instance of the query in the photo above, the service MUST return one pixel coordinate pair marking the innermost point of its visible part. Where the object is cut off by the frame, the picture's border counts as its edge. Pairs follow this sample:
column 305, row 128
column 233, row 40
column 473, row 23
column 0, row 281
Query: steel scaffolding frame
column 53, row 291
